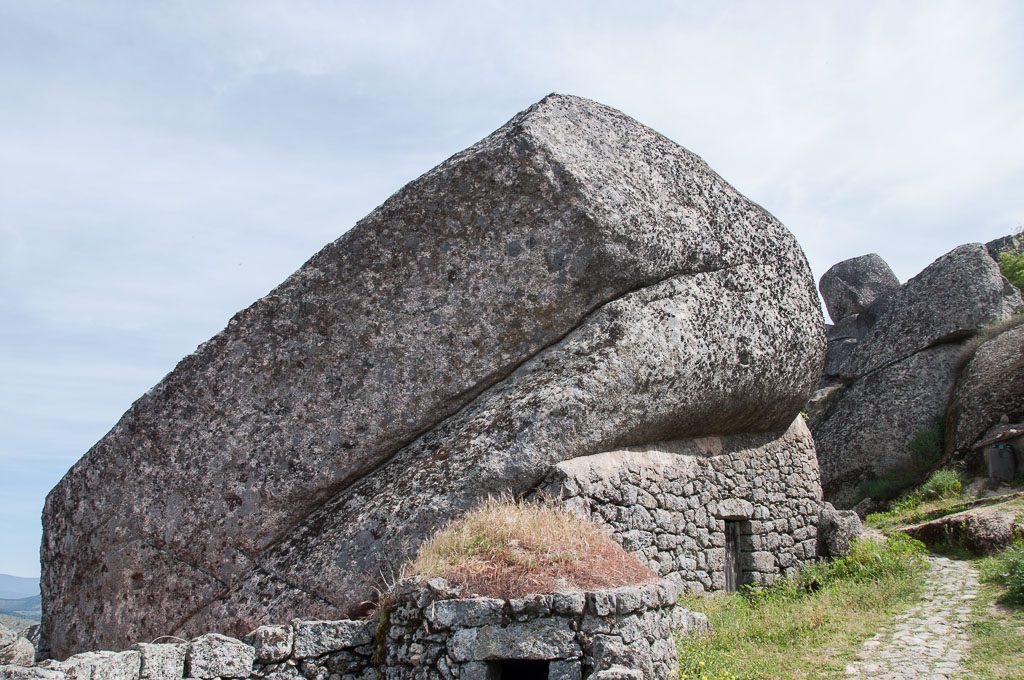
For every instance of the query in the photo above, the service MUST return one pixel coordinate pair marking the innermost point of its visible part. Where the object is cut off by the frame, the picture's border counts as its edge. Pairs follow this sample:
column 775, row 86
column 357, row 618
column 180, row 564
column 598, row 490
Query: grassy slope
column 997, row 618
column 796, row 631
column 997, row 628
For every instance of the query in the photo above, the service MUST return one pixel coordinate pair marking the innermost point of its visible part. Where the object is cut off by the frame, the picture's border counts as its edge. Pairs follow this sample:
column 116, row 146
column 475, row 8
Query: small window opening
column 519, row 669
column 733, row 565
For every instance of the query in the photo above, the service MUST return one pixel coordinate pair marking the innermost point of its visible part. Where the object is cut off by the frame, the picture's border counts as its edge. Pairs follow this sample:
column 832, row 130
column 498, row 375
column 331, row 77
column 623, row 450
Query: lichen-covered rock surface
column 990, row 388
column 572, row 284
column 869, row 428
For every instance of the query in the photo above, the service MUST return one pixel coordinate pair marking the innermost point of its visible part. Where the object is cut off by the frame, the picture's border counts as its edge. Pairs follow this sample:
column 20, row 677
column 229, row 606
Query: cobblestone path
column 929, row 640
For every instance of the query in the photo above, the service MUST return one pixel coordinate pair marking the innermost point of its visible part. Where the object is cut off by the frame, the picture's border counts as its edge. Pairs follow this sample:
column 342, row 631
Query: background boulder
column 868, row 430
column 990, row 387
column 573, row 283
column 851, row 286
column 896, row 374
column 951, row 299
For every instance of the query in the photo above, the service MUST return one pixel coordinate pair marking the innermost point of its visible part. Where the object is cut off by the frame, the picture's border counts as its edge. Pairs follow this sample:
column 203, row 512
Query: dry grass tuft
column 506, row 548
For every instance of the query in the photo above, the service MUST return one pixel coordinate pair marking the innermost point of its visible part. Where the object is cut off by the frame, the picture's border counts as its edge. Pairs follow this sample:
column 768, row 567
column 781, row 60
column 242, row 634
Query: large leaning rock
column 851, row 286
column 990, row 387
column 868, row 430
column 573, row 283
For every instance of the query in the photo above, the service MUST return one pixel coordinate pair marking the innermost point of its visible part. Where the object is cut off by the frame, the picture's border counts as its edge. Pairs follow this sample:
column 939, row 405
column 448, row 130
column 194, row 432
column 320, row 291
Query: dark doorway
column 733, row 568
column 519, row 669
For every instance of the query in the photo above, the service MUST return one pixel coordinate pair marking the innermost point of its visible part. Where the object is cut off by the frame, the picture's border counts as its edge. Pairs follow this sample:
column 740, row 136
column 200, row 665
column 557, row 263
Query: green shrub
column 926, row 451
column 944, row 483
column 1011, row 265
column 889, row 487
column 910, row 508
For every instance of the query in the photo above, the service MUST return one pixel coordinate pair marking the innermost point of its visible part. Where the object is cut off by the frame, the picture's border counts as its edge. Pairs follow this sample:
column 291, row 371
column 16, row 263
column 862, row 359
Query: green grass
column 1005, row 570
column 941, row 494
column 809, row 625
column 997, row 617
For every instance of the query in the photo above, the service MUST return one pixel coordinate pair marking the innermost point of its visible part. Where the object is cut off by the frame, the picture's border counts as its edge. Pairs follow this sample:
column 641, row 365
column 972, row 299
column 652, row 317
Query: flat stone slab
column 543, row 639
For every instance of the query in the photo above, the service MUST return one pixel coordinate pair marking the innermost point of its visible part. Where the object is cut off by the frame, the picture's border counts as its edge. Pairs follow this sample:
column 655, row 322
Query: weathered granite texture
column 668, row 502
column 837, row 530
column 981, row 531
column 947, row 302
column 424, row 632
column 896, row 380
column 574, row 283
column 867, row 429
column 14, row 648
column 851, row 286
column 990, row 387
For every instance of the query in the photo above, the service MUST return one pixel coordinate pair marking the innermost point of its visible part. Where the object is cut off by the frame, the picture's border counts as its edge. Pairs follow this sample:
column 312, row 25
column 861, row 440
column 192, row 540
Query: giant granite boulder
column 571, row 284
column 899, row 377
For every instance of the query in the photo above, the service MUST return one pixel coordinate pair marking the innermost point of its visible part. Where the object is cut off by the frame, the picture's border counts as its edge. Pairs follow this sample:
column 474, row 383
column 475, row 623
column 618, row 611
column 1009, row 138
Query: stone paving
column 929, row 640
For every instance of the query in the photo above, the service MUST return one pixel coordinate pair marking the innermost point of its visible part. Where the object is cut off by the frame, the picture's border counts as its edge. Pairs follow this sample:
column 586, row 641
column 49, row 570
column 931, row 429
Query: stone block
column 12, row 672
column 99, row 666
column 476, row 670
column 538, row 639
column 572, row 602
column 219, row 656
column 465, row 613
column 601, row 602
column 272, row 643
column 565, row 670
column 763, row 561
column 161, row 661
column 316, row 638
column 530, row 607
column 734, row 508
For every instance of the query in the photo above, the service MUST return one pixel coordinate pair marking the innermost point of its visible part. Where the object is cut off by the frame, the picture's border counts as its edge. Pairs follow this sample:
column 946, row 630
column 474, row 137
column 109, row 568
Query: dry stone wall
column 670, row 503
column 425, row 632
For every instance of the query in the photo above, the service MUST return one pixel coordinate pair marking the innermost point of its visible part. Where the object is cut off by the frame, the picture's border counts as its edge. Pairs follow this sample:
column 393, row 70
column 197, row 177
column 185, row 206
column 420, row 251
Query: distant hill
column 17, row 587
column 29, row 608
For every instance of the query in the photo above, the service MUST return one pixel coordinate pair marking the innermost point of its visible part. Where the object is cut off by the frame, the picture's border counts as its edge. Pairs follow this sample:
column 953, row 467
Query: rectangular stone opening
column 518, row 669
column 733, row 562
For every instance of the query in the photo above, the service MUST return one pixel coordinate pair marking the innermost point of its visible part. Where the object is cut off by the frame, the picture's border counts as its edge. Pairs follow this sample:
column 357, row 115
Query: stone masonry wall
column 668, row 503
column 425, row 632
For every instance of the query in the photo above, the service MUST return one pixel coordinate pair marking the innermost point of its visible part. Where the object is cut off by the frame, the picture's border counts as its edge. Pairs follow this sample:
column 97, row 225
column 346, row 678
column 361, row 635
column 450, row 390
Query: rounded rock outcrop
column 990, row 387
column 851, row 286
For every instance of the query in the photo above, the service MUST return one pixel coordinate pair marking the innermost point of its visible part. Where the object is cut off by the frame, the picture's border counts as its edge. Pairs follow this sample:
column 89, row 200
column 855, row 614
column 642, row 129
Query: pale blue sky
column 164, row 164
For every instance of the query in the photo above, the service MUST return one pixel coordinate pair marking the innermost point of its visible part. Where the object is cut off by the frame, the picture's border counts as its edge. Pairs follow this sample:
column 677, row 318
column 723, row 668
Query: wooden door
column 732, row 556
